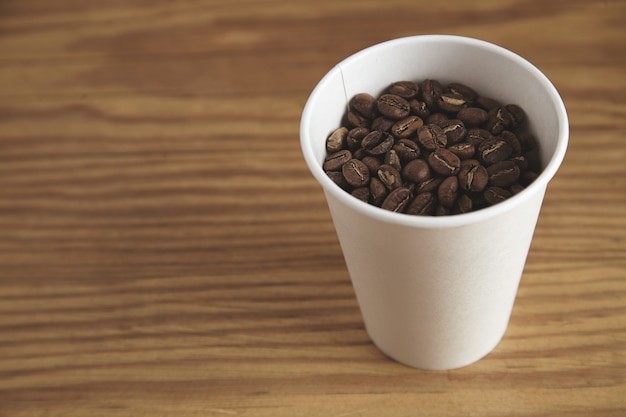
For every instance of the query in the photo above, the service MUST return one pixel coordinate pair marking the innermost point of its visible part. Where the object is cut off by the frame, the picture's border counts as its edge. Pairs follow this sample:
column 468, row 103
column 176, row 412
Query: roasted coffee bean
column 378, row 191
column 364, row 104
column 360, row 153
column 518, row 114
column 423, row 204
column 392, row 158
column 451, row 102
column 473, row 177
column 416, row 170
column 389, row 176
column 442, row 210
column 527, row 140
column 528, row 177
column 337, row 178
column 495, row 195
column 516, row 188
column 419, row 108
column 448, row 191
column 362, row 193
column 406, row 127
column 431, row 136
column 500, row 119
column 377, row 142
column 494, row 150
column 355, row 136
column 463, row 150
column 454, row 129
column 466, row 92
column 393, row 107
column 397, row 200
column 407, row 150
column 510, row 138
column 487, row 103
column 404, row 89
column 356, row 173
column 372, row 163
column 463, row 204
column 437, row 119
column 357, row 120
column 503, row 174
column 336, row 141
column 444, row 162
column 429, row 185
column 431, row 91
column 382, row 123
column 335, row 161
column 476, row 136
column 472, row 116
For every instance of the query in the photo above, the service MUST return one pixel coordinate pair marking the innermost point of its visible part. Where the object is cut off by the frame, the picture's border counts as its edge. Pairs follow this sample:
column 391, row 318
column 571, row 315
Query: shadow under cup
column 436, row 292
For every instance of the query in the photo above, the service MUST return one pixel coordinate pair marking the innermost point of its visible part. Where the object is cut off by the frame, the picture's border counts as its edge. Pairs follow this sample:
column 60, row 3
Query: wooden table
column 164, row 250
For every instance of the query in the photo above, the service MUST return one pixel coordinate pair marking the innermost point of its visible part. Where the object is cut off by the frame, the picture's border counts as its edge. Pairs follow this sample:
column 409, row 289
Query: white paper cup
column 436, row 292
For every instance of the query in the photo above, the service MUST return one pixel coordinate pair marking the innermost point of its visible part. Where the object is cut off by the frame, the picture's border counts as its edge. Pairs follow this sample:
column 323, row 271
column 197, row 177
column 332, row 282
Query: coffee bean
column 431, row 136
column 437, row 119
column 355, row 136
column 487, row 103
column 337, row 178
column 448, row 191
column 335, row 161
column 393, row 107
column 362, row 193
column 336, row 141
column 463, row 90
column 431, row 91
column 364, row 104
column 378, row 191
column 494, row 150
column 389, row 176
column 377, row 142
column 404, row 89
column 518, row 114
column 357, row 120
column 397, row 200
column 444, row 162
column 451, row 102
column 472, row 116
column 419, row 108
column 473, row 177
column 406, row 127
column 429, row 185
column 476, row 136
column 356, row 173
column 392, row 158
column 407, row 150
column 464, row 150
column 454, row 129
column 510, row 138
column 423, row 204
column 416, row 170
column 495, row 195
column 463, row 204
column 372, row 163
column 500, row 119
column 382, row 123
column 503, row 174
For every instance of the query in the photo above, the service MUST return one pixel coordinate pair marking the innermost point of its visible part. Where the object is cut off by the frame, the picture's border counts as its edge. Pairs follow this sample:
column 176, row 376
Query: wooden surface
column 164, row 250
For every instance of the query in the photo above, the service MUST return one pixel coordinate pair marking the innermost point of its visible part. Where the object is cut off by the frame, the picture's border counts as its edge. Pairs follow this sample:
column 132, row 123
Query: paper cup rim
column 483, row 214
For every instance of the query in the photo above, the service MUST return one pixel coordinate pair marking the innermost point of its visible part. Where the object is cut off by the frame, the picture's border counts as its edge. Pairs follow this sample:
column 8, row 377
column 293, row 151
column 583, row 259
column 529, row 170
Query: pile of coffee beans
column 425, row 148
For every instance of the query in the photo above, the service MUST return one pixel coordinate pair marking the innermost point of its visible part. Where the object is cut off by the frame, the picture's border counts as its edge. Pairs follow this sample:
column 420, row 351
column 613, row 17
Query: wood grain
column 164, row 250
